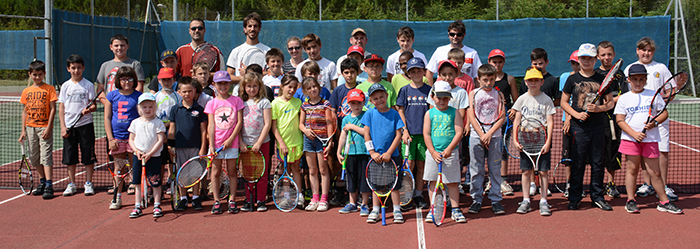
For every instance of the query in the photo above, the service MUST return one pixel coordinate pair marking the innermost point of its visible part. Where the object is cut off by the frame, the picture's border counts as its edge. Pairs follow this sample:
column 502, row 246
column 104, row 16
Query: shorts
column 314, row 146
column 664, row 145
column 355, row 176
column 228, row 153
column 295, row 153
column 613, row 158
column 152, row 171
column 122, row 147
column 648, row 150
column 40, row 150
column 82, row 138
column 417, row 148
column 451, row 168
column 165, row 157
column 184, row 154
column 544, row 165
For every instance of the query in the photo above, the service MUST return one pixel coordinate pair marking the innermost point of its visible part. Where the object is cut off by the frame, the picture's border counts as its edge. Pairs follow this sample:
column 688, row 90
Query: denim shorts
column 314, row 146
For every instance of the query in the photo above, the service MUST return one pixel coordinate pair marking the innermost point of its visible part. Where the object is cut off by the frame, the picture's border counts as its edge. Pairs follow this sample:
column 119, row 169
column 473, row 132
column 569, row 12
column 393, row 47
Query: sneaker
column 168, row 191
column 498, row 208
column 157, row 212
column 474, row 208
column 573, row 205
column 457, row 216
column 364, row 210
column 506, row 189
column 611, row 190
column 216, row 208
column 322, row 206
column 429, row 218
column 181, row 205
column 115, row 205
column 261, row 207
column 583, row 194
column 197, row 203
column 350, row 208
column 669, row 207
column 464, row 189
column 533, row 189
column 89, row 190
column 398, row 217
column 232, row 209
column 603, row 205
column 372, row 217
column 544, row 209
column 487, row 188
column 135, row 213
column 524, row 207
column 631, row 206
column 312, row 206
column 48, row 192
column 300, row 201
column 408, row 207
column 420, row 202
column 671, row 196
column 644, row 190
column 39, row 189
column 247, row 206
column 70, row 190
column 566, row 192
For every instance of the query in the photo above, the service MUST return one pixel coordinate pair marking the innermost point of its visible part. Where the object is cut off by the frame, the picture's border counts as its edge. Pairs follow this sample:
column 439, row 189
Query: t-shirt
column 325, row 94
column 166, row 99
column 536, row 107
column 657, row 74
column 288, row 68
column 466, row 82
column 382, row 128
column 362, row 77
column 414, row 102
column 273, row 83
column 328, row 72
column 225, row 118
column 286, row 113
column 339, row 101
column 399, row 82
column 503, row 86
column 184, row 59
column 357, row 140
column 460, row 98
column 254, row 120
column 146, row 134
column 617, row 85
column 75, row 97
column 391, row 99
column 124, row 110
column 442, row 127
column 392, row 62
column 109, row 69
column 471, row 60
column 549, row 87
column 236, row 55
column 315, row 118
column 635, row 107
column 485, row 98
column 188, row 133
column 583, row 90
column 36, row 101
column 562, row 81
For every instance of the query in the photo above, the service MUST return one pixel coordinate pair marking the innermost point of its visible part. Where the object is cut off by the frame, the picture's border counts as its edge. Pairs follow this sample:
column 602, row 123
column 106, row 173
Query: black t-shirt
column 550, row 87
column 583, row 90
column 503, row 86
column 618, row 85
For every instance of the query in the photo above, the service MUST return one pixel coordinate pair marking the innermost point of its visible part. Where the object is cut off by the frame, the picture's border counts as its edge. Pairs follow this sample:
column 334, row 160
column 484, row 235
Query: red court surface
column 80, row 222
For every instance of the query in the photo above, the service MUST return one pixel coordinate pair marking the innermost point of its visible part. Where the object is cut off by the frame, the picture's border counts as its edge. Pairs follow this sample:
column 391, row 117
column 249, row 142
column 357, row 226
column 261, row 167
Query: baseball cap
column 447, row 62
column 374, row 88
column 167, row 53
column 442, row 89
column 637, row 69
column 587, row 49
column 356, row 95
column 166, row 73
column 221, row 76
column 415, row 62
column 354, row 31
column 533, row 73
column 356, row 49
column 573, row 57
column 374, row 57
column 147, row 97
column 497, row 52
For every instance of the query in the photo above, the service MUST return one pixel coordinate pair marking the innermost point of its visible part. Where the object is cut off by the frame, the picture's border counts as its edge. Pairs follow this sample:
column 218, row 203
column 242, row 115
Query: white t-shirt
column 146, row 134
column 273, row 83
column 345, row 56
column 328, row 72
column 657, row 74
column 537, row 107
column 460, row 98
column 234, row 59
column 635, row 107
column 75, row 97
column 392, row 62
column 254, row 121
column 471, row 60
column 166, row 100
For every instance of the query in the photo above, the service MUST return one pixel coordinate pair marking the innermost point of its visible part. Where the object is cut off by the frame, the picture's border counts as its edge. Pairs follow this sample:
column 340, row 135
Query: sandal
column 110, row 190
column 131, row 190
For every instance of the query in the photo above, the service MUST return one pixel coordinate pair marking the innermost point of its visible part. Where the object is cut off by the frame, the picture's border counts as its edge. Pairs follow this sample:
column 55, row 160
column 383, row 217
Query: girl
column 295, row 50
column 122, row 103
column 225, row 119
column 146, row 139
column 257, row 114
column 313, row 118
column 630, row 114
column 285, row 123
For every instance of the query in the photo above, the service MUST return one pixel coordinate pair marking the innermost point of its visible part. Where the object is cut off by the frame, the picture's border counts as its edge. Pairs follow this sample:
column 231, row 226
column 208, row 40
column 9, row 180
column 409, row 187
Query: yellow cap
column 533, row 73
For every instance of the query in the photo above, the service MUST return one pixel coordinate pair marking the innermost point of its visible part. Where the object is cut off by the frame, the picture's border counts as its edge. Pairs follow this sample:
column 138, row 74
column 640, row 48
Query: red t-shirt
column 184, row 59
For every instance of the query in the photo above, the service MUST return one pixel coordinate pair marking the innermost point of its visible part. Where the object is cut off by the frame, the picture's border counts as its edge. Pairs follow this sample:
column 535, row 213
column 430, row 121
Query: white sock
column 397, row 208
column 195, row 197
column 526, row 199
column 375, row 208
column 543, row 201
column 183, row 197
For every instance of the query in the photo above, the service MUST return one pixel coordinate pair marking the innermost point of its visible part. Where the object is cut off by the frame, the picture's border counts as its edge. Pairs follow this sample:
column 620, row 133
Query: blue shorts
column 314, row 146
column 152, row 171
column 229, row 153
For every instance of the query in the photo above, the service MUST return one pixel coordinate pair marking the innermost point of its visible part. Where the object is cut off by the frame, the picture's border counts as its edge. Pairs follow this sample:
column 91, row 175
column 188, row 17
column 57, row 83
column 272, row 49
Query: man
column 251, row 28
column 184, row 53
column 358, row 37
column 456, row 32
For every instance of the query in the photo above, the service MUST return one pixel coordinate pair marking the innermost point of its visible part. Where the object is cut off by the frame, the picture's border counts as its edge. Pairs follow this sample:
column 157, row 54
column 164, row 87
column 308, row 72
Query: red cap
column 374, row 57
column 356, row 49
column 497, row 52
column 573, row 57
column 447, row 62
column 356, row 95
column 166, row 73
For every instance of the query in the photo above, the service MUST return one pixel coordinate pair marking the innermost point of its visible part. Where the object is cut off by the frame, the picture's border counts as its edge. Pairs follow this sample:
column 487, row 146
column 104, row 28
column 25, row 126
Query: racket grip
column 383, row 216
column 342, row 175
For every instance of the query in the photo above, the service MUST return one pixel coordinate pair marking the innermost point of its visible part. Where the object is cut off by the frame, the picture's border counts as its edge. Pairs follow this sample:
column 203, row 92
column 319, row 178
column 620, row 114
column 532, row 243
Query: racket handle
column 342, row 175
column 383, row 216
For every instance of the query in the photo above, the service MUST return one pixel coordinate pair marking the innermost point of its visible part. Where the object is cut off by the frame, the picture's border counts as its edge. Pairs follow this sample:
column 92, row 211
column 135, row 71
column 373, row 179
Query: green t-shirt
column 391, row 99
column 286, row 113
column 442, row 127
column 399, row 81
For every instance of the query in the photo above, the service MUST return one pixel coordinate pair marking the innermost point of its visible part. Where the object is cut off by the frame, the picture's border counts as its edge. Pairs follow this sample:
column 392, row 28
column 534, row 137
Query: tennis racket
column 285, row 192
column 606, row 82
column 438, row 206
column 174, row 188
column 119, row 170
column 408, row 182
column 206, row 53
column 252, row 168
column 325, row 128
column 81, row 114
column 382, row 178
column 253, row 55
column 559, row 175
column 487, row 109
column 508, row 144
column 26, row 178
column 144, row 185
column 195, row 169
column 667, row 91
column 345, row 152
column 532, row 136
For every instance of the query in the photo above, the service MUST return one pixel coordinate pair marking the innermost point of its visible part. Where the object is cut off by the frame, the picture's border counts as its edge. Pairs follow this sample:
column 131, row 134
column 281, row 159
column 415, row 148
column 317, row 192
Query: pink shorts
column 648, row 150
column 122, row 147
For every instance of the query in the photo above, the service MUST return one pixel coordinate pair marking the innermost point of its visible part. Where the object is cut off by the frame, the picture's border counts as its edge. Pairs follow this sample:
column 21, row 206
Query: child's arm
column 236, row 130
column 52, row 114
column 550, row 129
column 62, row 119
column 108, row 124
column 609, row 104
column 465, row 123
column 23, row 134
column 171, row 130
column 516, row 125
column 368, row 139
column 203, row 148
column 211, row 130
column 354, row 127
column 625, row 127
column 157, row 147
column 334, row 83
column 341, row 147
column 457, row 138
column 137, row 152
column 564, row 103
column 513, row 94
column 281, row 146
column 428, row 139
column 406, row 137
column 394, row 144
column 267, row 116
column 302, row 125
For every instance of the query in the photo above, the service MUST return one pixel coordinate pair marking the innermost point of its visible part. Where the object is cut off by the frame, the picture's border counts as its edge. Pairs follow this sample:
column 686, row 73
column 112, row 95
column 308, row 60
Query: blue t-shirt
column 383, row 128
column 562, row 82
column 442, row 127
column 188, row 133
column 124, row 110
column 414, row 102
column 357, row 140
column 325, row 94
column 339, row 101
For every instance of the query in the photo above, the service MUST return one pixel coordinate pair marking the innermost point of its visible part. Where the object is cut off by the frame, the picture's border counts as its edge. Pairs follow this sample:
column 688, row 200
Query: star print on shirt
column 224, row 117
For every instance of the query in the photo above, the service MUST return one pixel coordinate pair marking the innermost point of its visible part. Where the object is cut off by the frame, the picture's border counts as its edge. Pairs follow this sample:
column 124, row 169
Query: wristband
column 171, row 142
column 369, row 145
column 656, row 123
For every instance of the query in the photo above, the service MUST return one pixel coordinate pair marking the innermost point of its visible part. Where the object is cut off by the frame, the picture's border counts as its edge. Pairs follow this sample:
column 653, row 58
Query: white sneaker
column 506, row 189
column 671, row 196
column 88, row 189
column 533, row 189
column 115, row 205
column 70, row 190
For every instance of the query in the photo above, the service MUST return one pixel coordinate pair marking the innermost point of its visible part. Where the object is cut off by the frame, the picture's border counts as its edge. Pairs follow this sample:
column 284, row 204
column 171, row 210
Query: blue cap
column 376, row 87
column 147, row 97
column 637, row 69
column 415, row 62
column 167, row 53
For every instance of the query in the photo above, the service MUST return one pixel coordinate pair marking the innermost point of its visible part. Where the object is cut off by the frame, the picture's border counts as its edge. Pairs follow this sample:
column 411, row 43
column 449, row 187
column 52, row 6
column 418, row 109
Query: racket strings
column 532, row 137
column 252, row 166
column 285, row 193
column 406, row 192
column 191, row 172
column 439, row 206
column 381, row 177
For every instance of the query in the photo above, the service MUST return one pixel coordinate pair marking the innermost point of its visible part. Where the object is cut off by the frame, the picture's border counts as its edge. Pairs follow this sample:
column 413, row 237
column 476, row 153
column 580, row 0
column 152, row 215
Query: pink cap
column 356, row 95
column 573, row 57
column 447, row 62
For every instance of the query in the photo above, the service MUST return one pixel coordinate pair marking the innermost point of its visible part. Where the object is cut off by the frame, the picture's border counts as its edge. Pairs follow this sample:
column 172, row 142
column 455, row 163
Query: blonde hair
column 252, row 77
column 150, row 102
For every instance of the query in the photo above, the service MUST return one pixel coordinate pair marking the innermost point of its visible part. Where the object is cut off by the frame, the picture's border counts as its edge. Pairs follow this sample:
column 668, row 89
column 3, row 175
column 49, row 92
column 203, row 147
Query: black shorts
column 152, row 171
column 355, row 173
column 82, row 138
column 613, row 157
column 545, row 163
column 165, row 157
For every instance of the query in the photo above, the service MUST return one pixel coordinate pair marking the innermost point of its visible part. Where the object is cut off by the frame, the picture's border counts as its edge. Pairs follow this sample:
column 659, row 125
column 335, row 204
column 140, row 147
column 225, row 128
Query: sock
column 543, row 201
column 49, row 183
column 397, row 208
column 42, row 180
column 119, row 195
column 324, row 198
column 632, row 200
column 156, row 204
column 314, row 198
column 526, row 199
column 71, row 184
column 195, row 197
column 664, row 202
column 183, row 197
column 137, row 205
column 375, row 208
column 532, row 184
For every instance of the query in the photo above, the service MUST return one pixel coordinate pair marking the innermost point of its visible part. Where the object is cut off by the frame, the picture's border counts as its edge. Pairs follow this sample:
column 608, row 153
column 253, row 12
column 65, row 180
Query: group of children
column 183, row 117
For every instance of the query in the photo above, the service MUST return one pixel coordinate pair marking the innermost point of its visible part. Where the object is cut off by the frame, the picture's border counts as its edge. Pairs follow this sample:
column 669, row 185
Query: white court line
column 419, row 227
column 681, row 145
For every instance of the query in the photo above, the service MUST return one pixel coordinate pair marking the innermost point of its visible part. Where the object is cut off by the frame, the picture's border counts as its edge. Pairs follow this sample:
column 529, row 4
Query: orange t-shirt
column 36, row 102
column 465, row 82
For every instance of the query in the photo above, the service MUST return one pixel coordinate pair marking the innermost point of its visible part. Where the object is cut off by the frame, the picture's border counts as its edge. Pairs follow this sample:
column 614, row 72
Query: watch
column 656, row 123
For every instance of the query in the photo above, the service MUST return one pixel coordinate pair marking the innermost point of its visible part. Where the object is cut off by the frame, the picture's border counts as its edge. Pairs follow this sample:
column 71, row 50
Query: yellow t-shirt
column 286, row 113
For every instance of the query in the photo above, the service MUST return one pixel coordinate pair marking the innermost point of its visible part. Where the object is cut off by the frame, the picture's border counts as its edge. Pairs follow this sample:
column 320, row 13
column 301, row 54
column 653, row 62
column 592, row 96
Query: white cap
column 442, row 89
column 587, row 49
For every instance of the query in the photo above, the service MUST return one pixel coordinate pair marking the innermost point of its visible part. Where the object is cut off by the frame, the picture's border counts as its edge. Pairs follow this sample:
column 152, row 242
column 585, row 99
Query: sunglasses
column 455, row 34
column 294, row 48
column 197, row 28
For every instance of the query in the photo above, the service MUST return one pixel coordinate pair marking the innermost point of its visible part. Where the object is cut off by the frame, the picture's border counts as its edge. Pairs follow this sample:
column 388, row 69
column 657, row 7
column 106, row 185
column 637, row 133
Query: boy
column 534, row 105
column 339, row 98
column 166, row 98
column 76, row 93
column 405, row 38
column 442, row 127
column 119, row 45
column 467, row 83
column 399, row 82
column 587, row 127
column 357, row 53
column 373, row 67
column 328, row 77
column 39, row 102
column 412, row 104
column 274, row 59
column 382, row 134
column 187, row 135
column 357, row 154
column 200, row 75
column 168, row 59
column 489, row 142
column 566, row 137
column 311, row 69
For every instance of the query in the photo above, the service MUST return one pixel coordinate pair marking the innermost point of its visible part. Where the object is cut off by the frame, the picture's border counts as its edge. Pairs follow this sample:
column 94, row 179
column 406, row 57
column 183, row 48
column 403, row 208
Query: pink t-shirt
column 225, row 118
column 465, row 82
